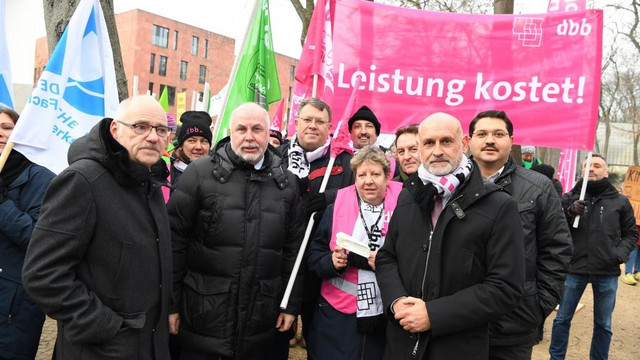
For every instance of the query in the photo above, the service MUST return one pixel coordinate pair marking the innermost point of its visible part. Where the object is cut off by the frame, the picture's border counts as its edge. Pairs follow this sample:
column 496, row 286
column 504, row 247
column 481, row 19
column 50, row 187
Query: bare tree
column 57, row 14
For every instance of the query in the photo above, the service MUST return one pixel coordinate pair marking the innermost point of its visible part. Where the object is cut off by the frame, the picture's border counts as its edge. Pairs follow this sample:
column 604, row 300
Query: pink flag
column 567, row 169
column 566, row 5
column 340, row 141
column 542, row 69
column 317, row 52
column 299, row 93
column 276, row 122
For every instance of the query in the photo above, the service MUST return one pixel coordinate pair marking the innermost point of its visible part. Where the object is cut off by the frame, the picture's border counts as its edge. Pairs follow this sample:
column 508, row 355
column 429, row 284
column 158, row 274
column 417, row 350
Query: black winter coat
column 606, row 233
column 469, row 269
column 236, row 233
column 20, row 318
column 547, row 249
column 99, row 260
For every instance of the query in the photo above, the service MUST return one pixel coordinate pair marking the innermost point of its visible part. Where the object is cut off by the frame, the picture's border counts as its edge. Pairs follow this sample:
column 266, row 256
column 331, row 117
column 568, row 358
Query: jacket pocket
column 265, row 309
column 205, row 301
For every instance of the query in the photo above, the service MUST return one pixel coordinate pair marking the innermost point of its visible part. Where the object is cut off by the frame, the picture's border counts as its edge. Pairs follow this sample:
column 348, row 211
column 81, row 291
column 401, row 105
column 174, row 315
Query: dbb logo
column 573, row 28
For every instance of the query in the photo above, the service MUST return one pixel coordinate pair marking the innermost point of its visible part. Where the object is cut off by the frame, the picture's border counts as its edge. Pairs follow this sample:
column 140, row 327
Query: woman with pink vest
column 349, row 322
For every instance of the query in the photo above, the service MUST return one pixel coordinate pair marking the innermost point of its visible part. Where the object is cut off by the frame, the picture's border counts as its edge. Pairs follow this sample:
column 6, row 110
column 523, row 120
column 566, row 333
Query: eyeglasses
column 496, row 134
column 412, row 150
column 317, row 121
column 145, row 129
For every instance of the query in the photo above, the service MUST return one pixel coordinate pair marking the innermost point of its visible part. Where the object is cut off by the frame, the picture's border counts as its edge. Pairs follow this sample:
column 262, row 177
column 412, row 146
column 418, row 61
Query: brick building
column 164, row 52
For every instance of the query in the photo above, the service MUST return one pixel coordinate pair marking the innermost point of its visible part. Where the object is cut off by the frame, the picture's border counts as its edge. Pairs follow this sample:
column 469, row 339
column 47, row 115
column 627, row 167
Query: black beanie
column 278, row 135
column 364, row 113
column 544, row 169
column 194, row 123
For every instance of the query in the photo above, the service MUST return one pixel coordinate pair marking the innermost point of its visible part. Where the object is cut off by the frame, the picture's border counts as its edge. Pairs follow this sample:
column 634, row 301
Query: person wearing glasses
column 99, row 260
column 307, row 157
column 407, row 151
column 547, row 240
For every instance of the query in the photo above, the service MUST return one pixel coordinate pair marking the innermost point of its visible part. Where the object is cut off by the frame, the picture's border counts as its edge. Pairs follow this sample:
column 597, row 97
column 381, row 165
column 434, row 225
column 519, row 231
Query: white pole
column 583, row 190
column 135, row 85
column 234, row 71
column 194, row 101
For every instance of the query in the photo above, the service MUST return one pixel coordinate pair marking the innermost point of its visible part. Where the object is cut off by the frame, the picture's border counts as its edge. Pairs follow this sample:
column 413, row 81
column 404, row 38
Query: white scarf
column 447, row 184
column 300, row 160
column 369, row 299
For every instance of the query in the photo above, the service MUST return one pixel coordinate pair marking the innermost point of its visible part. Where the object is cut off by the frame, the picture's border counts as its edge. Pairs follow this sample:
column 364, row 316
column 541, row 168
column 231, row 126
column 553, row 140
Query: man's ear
column 113, row 129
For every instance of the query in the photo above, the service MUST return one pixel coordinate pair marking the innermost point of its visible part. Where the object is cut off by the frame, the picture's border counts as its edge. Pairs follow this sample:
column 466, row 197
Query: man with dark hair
column 364, row 128
column 605, row 236
column 407, row 151
column 99, row 260
column 453, row 257
column 547, row 242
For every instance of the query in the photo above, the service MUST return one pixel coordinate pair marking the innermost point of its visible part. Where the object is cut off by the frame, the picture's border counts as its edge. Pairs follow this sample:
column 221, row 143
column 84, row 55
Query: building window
column 162, row 66
column 206, row 48
column 175, row 39
column 152, row 66
column 203, row 74
column 194, row 45
column 160, row 36
column 171, row 93
column 292, row 72
column 150, row 88
column 183, row 70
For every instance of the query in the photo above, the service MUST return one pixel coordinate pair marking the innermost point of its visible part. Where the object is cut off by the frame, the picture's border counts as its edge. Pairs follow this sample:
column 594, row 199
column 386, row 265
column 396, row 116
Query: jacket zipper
column 364, row 341
column 426, row 265
column 424, row 278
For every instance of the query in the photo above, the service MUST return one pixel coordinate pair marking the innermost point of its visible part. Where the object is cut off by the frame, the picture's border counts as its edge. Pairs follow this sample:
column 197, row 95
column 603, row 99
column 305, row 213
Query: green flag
column 256, row 77
column 164, row 99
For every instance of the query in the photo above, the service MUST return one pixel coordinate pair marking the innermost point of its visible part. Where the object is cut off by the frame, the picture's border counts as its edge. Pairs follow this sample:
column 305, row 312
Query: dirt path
column 624, row 346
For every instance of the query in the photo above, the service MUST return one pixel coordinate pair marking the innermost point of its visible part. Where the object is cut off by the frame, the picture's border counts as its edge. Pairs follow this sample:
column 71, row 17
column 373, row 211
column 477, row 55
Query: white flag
column 6, row 84
column 76, row 90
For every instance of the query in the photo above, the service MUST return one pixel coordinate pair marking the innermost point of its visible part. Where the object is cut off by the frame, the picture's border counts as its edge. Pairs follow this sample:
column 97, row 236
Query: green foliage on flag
column 256, row 78
column 164, row 99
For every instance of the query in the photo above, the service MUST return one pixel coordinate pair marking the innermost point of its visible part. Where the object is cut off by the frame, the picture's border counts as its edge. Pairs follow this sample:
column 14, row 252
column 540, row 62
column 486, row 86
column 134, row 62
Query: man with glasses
column 547, row 241
column 307, row 157
column 99, row 260
column 407, row 151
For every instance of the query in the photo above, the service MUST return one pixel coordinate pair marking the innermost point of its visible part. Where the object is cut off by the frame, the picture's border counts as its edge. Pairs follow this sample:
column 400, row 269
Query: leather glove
column 577, row 208
column 3, row 192
column 317, row 203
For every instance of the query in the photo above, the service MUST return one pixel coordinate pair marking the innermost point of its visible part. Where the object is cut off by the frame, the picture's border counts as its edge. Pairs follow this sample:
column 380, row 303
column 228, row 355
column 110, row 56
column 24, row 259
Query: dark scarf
column 594, row 188
column 16, row 163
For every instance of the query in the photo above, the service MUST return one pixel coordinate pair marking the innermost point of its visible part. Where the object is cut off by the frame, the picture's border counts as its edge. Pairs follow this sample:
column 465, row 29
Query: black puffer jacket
column 469, row 269
column 547, row 249
column 606, row 233
column 236, row 232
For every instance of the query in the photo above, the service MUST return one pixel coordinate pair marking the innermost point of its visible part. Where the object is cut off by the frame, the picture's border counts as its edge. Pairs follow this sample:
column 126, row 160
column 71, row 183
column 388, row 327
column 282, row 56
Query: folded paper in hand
column 351, row 244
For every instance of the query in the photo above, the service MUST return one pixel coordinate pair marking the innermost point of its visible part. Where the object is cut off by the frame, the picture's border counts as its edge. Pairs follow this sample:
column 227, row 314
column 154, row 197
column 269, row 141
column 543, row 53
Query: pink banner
column 542, row 69
column 567, row 169
column 566, row 5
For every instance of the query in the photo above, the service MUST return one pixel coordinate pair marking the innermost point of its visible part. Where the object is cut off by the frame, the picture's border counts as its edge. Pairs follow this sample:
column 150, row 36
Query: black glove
column 3, row 192
column 317, row 203
column 577, row 208
column 303, row 185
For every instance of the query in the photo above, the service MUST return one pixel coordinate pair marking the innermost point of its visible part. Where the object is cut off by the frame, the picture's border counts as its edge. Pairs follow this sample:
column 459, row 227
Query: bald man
column 236, row 231
column 99, row 260
column 453, row 259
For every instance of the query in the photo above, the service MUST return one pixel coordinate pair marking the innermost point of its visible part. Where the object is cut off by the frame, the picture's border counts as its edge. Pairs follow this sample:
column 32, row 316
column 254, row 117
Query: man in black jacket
column 605, row 236
column 453, row 258
column 547, row 241
column 99, row 260
column 236, row 231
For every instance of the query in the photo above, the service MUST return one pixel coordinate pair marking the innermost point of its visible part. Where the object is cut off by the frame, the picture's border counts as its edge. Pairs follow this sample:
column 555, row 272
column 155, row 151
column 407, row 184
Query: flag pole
column 234, row 71
column 583, row 190
column 5, row 154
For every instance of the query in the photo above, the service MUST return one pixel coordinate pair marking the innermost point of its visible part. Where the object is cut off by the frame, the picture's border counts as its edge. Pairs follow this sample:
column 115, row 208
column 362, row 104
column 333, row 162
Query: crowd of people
column 156, row 243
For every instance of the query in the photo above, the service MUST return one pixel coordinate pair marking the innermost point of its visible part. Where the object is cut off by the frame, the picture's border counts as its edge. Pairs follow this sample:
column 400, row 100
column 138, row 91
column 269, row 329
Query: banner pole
column 583, row 190
column 5, row 154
